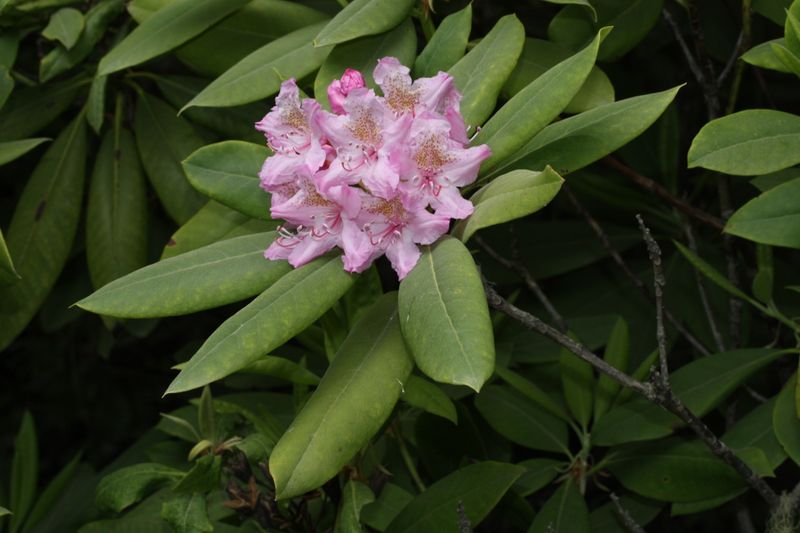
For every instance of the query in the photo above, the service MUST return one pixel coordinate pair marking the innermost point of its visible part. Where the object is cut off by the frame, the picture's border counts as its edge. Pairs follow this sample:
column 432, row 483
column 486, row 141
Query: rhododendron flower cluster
column 377, row 175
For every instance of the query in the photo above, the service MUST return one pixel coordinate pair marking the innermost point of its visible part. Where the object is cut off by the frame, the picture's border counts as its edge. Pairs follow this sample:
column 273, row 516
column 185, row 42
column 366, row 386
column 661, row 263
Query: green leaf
column 573, row 143
column 278, row 314
column 748, row 143
column 361, row 18
column 421, row 393
column 791, row 28
column 445, row 318
column 538, row 56
column 478, row 487
column 9, row 46
column 584, row 3
column 164, row 140
column 116, row 219
column 259, row 75
column 481, row 73
column 617, row 354
column 565, row 511
column 143, row 517
column 771, row 218
column 126, row 486
column 96, row 21
column 540, row 472
column 167, row 29
column 508, row 197
column 363, row 55
column 24, row 472
column 577, row 381
column 754, row 430
column 213, row 223
column 673, row 470
column 211, row 276
column 380, row 513
column 205, row 415
column 7, row 271
column 711, row 273
column 701, row 385
column 355, row 496
column 4, row 512
column 605, row 519
column 65, row 26
column 764, row 56
column 786, row 421
column 769, row 181
column 42, row 228
column 790, row 60
column 764, row 280
column 228, row 172
column 354, row 398
column 11, row 150
column 447, row 46
column 521, row 421
column 536, row 105
column 279, row 367
column 30, row 109
column 6, row 85
column 55, row 490
column 187, row 513
column 96, row 104
column 533, row 392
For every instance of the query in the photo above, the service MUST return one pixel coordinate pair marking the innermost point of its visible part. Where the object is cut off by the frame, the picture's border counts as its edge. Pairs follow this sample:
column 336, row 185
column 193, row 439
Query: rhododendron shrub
column 380, row 174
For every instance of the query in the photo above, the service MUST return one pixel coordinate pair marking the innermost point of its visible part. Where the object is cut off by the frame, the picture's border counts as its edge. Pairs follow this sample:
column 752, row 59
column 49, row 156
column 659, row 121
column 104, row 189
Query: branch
column 606, row 242
column 625, row 516
column 654, row 251
column 661, row 192
column 701, row 289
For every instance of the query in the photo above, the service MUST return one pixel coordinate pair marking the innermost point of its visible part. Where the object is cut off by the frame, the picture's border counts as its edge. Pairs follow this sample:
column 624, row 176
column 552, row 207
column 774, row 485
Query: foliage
column 313, row 399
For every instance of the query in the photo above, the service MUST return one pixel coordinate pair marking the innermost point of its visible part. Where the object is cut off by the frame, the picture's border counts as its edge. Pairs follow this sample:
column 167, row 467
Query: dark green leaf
column 124, row 487
column 65, row 26
column 205, row 415
column 617, row 354
column 96, row 105
column 11, row 150
column 24, row 472
column 540, row 472
column 55, row 490
column 481, row 73
column 228, row 172
column 786, row 421
column 565, row 511
column 354, row 398
column 187, row 513
column 7, row 271
column 168, row 28
column 606, row 519
column 421, row 393
column 30, row 109
column 355, row 496
column 477, row 487
column 711, row 273
column 211, row 276
column 204, row 476
column 754, row 430
column 445, row 318
column 380, row 513
column 771, row 218
column 577, row 381
column 447, row 45
column 521, row 421
column 361, row 18
column 6, row 85
column 533, row 392
column 278, row 314
column 764, row 56
column 43, row 226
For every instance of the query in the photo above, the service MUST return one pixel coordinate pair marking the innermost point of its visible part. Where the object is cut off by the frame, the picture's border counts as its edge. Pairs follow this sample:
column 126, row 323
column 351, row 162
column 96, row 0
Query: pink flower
column 339, row 89
column 378, row 176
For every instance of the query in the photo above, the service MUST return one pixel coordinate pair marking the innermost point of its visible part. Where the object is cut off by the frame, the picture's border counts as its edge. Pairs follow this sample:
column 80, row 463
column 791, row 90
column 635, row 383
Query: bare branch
column 701, row 290
column 627, row 520
column 654, row 251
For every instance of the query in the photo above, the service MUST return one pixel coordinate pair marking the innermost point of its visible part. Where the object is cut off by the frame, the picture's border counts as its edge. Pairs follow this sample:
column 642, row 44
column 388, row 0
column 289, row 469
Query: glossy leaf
column 96, row 21
column 481, row 73
column 617, row 354
column 536, row 105
column 355, row 496
column 786, row 421
column 445, row 318
column 421, row 393
column 521, row 421
column 11, row 150
column 164, row 140
column 65, row 26
column 363, row 55
column 228, row 172
column 363, row 17
column 478, row 487
column 288, row 307
column 167, row 29
column 116, row 219
column 447, row 46
column 211, row 276
column 771, row 218
column 24, row 472
column 748, row 143
column 187, row 513
column 124, row 487
column 508, row 197
column 565, row 511
column 764, row 56
column 673, row 470
column 213, row 223
column 575, row 142
column 354, row 398
column 701, row 385
column 259, row 75
column 42, row 228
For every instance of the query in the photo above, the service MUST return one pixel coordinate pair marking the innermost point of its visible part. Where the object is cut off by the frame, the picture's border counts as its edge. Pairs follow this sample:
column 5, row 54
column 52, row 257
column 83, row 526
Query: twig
column 693, row 66
column 519, row 269
column 737, row 51
column 464, row 525
column 627, row 520
column 701, row 290
column 620, row 262
column 654, row 251
column 664, row 194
